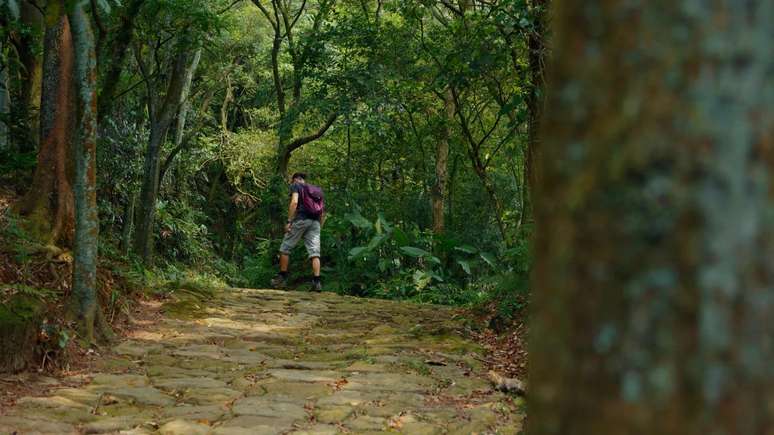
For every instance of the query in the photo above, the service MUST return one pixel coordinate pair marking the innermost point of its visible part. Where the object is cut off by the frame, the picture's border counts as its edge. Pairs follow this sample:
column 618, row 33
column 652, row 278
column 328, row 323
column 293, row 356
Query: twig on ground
column 96, row 407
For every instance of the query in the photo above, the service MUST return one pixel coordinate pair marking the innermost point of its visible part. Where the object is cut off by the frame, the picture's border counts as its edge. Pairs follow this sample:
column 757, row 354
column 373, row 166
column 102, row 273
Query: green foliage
column 181, row 236
column 388, row 73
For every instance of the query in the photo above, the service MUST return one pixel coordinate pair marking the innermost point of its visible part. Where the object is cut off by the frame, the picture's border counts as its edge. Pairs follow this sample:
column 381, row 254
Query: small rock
column 333, row 414
column 184, row 427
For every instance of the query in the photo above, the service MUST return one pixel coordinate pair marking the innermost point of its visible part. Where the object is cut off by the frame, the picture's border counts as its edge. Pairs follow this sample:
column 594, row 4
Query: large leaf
column 358, row 252
column 421, row 279
column 377, row 241
column 382, row 223
column 359, row 221
column 466, row 249
column 412, row 251
column 401, row 237
column 465, row 266
column 490, row 259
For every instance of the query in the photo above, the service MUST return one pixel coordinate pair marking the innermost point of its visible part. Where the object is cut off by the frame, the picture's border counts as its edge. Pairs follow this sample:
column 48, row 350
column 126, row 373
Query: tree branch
column 298, row 143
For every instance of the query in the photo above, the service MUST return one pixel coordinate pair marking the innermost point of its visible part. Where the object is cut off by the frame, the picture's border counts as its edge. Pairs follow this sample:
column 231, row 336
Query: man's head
column 298, row 177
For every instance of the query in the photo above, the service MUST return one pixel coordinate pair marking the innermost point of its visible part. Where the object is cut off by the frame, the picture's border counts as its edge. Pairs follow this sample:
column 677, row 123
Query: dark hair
column 300, row 175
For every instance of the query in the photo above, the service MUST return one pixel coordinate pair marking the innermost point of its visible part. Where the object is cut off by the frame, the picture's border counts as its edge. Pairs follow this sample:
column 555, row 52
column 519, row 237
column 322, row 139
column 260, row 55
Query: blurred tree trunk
column 536, row 46
column 653, row 286
column 48, row 205
column 442, row 165
column 161, row 117
column 86, row 216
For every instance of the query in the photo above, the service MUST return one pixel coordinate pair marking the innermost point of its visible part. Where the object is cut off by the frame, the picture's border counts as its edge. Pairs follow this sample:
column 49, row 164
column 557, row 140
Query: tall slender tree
column 653, row 287
column 85, row 188
column 162, row 114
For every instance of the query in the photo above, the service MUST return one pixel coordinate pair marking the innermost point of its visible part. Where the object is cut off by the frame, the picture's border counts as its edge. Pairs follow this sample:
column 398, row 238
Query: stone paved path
column 269, row 362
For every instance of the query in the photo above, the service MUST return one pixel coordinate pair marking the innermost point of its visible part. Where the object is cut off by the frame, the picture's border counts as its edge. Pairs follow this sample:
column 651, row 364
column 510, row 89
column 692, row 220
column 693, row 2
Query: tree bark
column 441, row 165
column 536, row 57
column 184, row 106
column 87, row 219
column 117, row 55
column 49, row 205
column 653, row 286
column 126, row 231
column 32, row 71
column 184, row 103
column 161, row 120
column 5, row 104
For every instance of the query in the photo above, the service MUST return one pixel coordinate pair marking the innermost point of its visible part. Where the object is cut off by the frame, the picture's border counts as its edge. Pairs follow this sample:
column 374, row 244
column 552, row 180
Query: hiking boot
column 279, row 282
column 316, row 286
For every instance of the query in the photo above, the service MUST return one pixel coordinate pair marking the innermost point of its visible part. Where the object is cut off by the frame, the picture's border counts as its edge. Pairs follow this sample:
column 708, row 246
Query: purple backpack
column 312, row 199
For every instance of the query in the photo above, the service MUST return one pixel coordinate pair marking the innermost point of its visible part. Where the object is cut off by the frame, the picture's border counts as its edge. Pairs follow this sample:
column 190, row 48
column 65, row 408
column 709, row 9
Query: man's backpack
column 312, row 199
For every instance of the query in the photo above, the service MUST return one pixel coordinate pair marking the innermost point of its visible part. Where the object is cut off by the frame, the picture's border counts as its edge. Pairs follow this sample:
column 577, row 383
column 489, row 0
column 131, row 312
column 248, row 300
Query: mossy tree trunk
column 653, row 286
column 87, row 219
column 49, row 205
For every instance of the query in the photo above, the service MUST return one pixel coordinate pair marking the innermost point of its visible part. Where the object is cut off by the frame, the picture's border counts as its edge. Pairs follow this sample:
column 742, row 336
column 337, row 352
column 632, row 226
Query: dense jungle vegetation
column 169, row 128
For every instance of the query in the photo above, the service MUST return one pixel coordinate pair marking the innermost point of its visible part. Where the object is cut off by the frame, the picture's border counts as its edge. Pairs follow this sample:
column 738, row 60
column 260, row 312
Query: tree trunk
column 182, row 114
column 118, row 48
column 283, row 161
column 32, row 71
column 160, row 123
column 86, row 217
column 536, row 56
column 48, row 205
column 441, row 165
column 653, row 286
column 126, row 231
column 5, row 104
column 185, row 104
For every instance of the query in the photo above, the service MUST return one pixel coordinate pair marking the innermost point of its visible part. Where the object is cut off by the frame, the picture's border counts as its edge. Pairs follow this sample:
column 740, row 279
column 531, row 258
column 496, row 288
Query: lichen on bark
column 86, row 217
column 655, row 214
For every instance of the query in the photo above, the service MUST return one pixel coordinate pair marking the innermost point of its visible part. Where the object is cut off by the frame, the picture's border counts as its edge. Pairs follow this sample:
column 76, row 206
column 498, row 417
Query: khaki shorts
column 310, row 231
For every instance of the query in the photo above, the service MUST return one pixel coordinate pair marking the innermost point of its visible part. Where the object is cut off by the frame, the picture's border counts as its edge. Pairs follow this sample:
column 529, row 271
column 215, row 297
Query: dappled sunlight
column 285, row 360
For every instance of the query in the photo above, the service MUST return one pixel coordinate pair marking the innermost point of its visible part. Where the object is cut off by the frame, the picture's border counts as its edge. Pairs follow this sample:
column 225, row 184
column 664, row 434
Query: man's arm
column 292, row 210
column 293, row 206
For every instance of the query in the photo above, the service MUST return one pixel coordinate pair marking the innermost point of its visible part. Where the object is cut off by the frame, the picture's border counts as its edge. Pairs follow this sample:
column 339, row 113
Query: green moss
column 20, row 319
column 20, row 309
column 187, row 308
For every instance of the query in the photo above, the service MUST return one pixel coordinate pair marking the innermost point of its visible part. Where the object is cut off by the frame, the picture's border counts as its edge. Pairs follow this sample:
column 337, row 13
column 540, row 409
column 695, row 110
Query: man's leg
column 316, row 267
column 290, row 240
column 284, row 262
column 312, row 242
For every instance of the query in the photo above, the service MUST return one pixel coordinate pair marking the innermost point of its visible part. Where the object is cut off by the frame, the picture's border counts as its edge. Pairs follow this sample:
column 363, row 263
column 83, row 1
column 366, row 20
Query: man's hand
column 287, row 227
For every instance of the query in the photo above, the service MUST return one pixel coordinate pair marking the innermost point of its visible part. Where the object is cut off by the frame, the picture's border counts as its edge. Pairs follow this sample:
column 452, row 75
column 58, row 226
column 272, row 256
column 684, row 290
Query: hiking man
column 306, row 214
